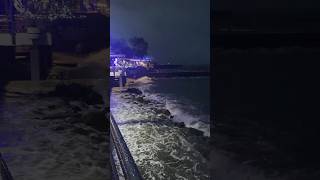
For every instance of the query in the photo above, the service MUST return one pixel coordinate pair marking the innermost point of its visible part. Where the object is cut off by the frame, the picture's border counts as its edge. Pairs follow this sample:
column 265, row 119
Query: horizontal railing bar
column 114, row 172
column 127, row 162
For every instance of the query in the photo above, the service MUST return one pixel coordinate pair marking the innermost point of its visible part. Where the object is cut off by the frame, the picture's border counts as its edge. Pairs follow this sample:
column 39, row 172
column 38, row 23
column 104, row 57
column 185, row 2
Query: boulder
column 140, row 99
column 163, row 111
column 195, row 132
column 180, row 124
column 133, row 91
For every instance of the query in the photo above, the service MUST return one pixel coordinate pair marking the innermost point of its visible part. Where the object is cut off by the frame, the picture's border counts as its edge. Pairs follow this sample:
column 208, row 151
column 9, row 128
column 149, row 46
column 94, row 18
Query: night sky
column 178, row 31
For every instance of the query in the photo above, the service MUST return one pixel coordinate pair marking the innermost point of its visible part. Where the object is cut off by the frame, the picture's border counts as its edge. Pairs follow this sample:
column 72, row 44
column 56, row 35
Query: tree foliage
column 138, row 46
column 134, row 47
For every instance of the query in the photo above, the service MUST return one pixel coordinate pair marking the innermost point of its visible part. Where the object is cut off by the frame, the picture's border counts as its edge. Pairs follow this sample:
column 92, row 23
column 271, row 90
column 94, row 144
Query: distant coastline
column 180, row 71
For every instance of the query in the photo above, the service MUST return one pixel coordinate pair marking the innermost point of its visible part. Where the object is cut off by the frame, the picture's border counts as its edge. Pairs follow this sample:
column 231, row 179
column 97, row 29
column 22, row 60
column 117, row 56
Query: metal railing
column 128, row 166
column 4, row 170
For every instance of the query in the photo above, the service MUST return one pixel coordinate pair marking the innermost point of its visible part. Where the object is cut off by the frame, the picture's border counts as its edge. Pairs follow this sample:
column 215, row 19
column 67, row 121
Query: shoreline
column 138, row 85
column 180, row 74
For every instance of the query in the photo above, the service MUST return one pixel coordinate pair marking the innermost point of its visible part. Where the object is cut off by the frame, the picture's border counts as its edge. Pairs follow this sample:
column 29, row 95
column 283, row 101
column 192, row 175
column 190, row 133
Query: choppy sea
column 161, row 147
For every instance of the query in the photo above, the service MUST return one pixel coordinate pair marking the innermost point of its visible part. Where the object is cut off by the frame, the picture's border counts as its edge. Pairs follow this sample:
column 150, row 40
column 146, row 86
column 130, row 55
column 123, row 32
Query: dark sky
column 178, row 31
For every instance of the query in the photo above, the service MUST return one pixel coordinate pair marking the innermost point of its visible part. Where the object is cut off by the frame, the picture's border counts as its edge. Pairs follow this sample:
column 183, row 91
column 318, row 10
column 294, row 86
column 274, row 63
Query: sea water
column 160, row 148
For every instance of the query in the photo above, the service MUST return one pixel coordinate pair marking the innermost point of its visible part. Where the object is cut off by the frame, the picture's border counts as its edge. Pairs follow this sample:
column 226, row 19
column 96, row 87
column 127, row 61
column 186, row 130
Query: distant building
column 129, row 66
column 121, row 60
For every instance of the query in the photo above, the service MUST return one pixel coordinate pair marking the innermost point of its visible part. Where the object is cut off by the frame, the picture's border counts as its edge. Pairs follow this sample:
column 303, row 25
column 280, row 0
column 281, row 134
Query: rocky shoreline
column 158, row 143
column 163, row 116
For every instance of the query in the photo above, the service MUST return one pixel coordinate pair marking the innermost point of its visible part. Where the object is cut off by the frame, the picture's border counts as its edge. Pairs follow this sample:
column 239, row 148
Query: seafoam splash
column 161, row 148
column 182, row 110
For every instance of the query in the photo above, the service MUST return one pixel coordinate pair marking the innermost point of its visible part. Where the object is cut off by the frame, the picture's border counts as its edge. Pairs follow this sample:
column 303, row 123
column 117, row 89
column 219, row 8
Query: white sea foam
column 143, row 80
column 192, row 121
column 161, row 151
column 181, row 110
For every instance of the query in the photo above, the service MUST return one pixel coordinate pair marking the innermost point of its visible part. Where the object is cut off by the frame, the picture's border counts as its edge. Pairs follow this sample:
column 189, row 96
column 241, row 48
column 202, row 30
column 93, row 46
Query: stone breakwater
column 162, row 148
column 158, row 109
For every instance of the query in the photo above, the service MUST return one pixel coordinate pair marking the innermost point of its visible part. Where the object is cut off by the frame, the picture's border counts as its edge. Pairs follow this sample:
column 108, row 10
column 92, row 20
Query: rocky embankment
column 157, row 143
column 160, row 115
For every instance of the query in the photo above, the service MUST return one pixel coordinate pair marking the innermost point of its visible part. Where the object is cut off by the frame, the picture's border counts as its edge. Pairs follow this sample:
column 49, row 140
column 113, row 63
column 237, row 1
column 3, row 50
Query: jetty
column 123, row 67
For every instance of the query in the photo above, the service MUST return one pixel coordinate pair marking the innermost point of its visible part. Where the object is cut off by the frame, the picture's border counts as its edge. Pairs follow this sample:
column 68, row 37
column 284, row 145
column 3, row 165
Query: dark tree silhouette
column 134, row 47
column 138, row 46
column 120, row 46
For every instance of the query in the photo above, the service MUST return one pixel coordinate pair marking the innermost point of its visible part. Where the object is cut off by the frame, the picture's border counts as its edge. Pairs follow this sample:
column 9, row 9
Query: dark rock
column 126, row 96
column 140, row 99
column 180, row 124
column 195, row 132
column 133, row 91
column 167, row 112
column 163, row 111
column 162, row 116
